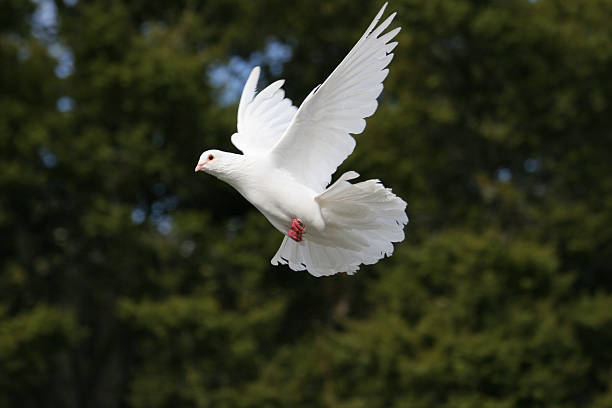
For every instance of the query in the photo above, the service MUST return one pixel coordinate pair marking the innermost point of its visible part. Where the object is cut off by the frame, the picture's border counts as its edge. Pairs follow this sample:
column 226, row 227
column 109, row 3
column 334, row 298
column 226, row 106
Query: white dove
column 290, row 155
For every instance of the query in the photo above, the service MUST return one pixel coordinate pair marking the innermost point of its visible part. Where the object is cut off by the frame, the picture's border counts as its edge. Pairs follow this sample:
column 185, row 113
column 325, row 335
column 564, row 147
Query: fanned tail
column 362, row 221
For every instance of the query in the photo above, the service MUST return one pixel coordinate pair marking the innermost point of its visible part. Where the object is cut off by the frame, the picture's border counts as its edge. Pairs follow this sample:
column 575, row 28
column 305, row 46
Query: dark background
column 128, row 281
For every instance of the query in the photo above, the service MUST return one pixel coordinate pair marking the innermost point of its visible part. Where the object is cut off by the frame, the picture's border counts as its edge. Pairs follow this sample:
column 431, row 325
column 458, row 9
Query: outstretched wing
column 262, row 118
column 318, row 139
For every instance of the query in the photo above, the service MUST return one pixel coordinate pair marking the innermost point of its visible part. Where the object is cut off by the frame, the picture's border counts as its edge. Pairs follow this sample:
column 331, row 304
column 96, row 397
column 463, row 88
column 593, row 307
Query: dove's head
column 210, row 161
column 218, row 163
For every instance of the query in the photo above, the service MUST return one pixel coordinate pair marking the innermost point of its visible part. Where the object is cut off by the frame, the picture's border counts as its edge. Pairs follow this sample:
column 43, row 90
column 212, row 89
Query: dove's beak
column 199, row 167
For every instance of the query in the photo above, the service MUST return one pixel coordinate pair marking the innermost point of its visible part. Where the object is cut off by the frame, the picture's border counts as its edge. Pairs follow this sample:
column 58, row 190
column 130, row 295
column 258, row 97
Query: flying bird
column 290, row 154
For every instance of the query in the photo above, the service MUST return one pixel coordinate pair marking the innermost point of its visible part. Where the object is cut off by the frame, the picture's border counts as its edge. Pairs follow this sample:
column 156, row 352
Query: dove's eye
column 210, row 157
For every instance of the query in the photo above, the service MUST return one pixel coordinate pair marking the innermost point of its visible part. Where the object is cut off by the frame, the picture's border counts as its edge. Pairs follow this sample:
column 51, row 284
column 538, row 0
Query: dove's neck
column 237, row 170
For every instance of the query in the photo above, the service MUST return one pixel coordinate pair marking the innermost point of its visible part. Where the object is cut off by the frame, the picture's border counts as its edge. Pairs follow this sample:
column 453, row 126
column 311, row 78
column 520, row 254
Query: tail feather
column 362, row 221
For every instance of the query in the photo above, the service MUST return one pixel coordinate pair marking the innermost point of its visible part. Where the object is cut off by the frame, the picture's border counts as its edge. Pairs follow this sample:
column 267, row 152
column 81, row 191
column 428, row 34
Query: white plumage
column 289, row 155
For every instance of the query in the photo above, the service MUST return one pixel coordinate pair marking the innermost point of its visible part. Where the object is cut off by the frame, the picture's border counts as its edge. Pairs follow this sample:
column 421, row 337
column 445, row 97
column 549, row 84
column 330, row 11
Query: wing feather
column 248, row 93
column 318, row 139
column 262, row 117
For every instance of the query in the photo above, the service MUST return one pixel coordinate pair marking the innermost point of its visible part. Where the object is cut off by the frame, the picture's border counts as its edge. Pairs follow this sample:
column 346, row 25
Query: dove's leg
column 296, row 230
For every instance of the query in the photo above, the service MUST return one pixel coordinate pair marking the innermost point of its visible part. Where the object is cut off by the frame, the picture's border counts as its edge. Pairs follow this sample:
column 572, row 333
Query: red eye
column 210, row 157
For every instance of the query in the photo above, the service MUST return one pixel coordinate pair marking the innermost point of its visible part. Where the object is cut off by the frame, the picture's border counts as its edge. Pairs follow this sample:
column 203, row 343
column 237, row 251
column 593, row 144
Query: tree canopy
column 128, row 281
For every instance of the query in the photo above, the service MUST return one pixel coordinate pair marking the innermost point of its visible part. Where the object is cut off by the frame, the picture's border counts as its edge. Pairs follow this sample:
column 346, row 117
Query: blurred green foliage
column 128, row 281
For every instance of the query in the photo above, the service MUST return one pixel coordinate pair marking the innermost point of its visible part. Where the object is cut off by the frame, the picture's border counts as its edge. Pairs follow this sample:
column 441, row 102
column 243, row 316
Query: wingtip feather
column 383, row 26
column 382, row 9
column 376, row 19
column 248, row 93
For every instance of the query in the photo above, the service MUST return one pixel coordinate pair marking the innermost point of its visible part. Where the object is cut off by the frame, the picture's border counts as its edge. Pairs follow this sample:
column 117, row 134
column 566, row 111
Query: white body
column 290, row 155
column 276, row 193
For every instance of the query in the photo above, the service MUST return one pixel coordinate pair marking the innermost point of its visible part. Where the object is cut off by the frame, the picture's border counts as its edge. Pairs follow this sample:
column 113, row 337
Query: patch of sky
column 163, row 224
column 64, row 57
column 275, row 55
column 164, row 205
column 138, row 216
column 159, row 214
column 230, row 77
column 532, row 165
column 157, row 208
column 48, row 158
column 44, row 27
column 503, row 175
column 158, row 211
column 65, row 104
column 44, row 20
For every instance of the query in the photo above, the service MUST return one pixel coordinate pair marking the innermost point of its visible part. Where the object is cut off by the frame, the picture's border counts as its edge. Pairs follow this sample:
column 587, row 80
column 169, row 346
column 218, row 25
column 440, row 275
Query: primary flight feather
column 290, row 154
